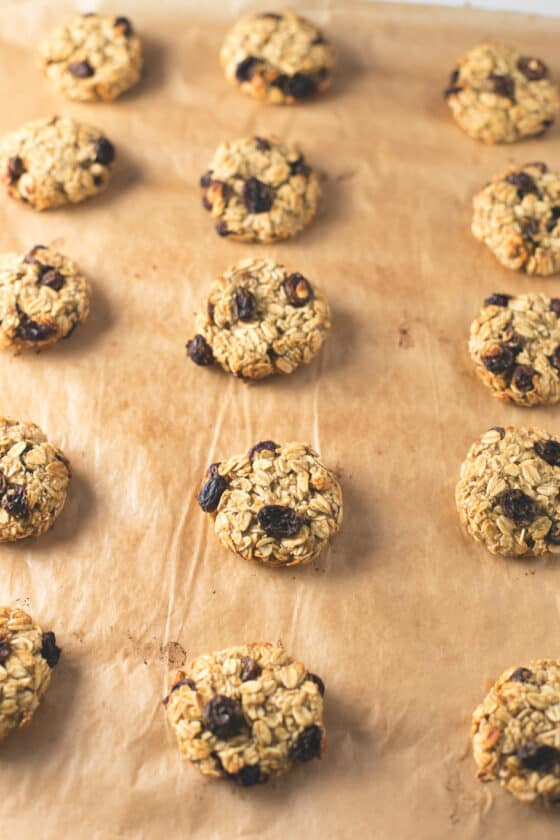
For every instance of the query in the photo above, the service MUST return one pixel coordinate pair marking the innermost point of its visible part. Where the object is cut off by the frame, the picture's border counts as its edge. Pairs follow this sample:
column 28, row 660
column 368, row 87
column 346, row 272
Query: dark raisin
column 15, row 168
column 213, row 469
column 454, row 77
column 97, row 180
column 549, row 451
column 521, row 675
column 244, row 305
column 49, row 649
column 517, row 505
column 318, row 682
column 279, row 521
column 298, row 289
column 553, row 536
column 538, row 757
column 538, row 164
column 555, row 215
column 206, row 179
column 245, row 70
column 503, row 85
column 104, row 151
column 530, row 227
column 318, row 39
column 211, row 493
column 308, row 744
column 555, row 358
column 124, row 25
column 525, row 183
column 515, row 343
column 53, row 279
column 31, row 256
column 3, row 484
column 258, row 447
column 81, row 69
column 257, row 196
column 532, row 68
column 223, row 716
column 497, row 300
column 199, row 351
column 5, row 650
column 523, row 378
column 248, row 776
column 222, row 229
column 14, row 501
column 498, row 358
column 299, row 167
column 529, row 541
column 29, row 330
column 451, row 91
column 500, row 429
column 191, row 684
column 250, row 669
column 262, row 144
column 301, row 86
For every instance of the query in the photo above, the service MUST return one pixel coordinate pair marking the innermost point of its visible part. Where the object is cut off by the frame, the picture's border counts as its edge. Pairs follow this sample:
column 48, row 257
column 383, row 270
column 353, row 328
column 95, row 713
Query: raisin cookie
column 277, row 58
column 259, row 190
column 516, row 732
column 27, row 657
column 34, row 478
column 508, row 494
column 43, row 298
column 258, row 320
column 515, row 345
column 277, row 504
column 92, row 57
column 498, row 95
column 247, row 713
column 55, row 161
column 516, row 215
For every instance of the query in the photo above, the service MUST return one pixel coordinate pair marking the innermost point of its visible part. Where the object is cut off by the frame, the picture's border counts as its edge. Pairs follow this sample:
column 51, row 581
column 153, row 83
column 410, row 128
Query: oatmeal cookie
column 92, row 57
column 277, row 58
column 259, row 190
column 515, row 345
column 277, row 504
column 27, row 657
column 516, row 215
column 247, row 713
column 55, row 161
column 260, row 319
column 516, row 732
column 498, row 95
column 43, row 298
column 508, row 494
column 34, row 478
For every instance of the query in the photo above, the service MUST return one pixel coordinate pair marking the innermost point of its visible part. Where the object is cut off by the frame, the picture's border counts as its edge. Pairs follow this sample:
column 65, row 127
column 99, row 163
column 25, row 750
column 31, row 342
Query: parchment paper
column 404, row 617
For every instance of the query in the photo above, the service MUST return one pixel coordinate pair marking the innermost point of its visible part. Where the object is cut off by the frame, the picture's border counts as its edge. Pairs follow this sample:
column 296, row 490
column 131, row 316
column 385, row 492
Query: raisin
column 248, row 776
column 497, row 300
column 500, row 429
column 211, row 493
column 244, row 305
column 555, row 358
column 553, row 536
column 257, row 196
column 206, row 179
column 210, row 307
column 529, row 541
column 222, row 229
column 318, row 39
column 530, row 227
column 521, row 675
column 29, row 330
column 555, row 215
column 49, row 649
column 301, row 86
column 14, row 501
column 523, row 378
column 299, row 167
column 298, row 290
column 451, row 91
column 538, row 164
column 515, row 343
column 262, row 144
column 279, row 521
column 223, row 716
column 308, row 744
column 245, row 70
column 272, row 15
column 3, row 484
column 498, row 358
column 15, row 169
column 532, row 68
column 81, row 69
column 191, row 684
column 31, row 258
column 454, row 77
column 503, row 85
column 549, row 451
column 5, row 650
column 525, row 183
column 517, row 505
column 258, row 447
column 53, row 279
column 124, row 25
column 318, row 682
column 213, row 469
column 199, row 351
column 538, row 757
column 250, row 669
column 104, row 151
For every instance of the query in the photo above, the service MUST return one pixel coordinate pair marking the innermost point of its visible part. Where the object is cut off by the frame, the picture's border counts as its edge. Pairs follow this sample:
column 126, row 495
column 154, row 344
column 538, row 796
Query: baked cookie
column 92, row 57
column 277, row 58
column 43, row 298
column 259, row 319
column 515, row 732
column 259, row 190
column 55, row 161
column 277, row 504
column 27, row 657
column 517, row 216
column 498, row 95
column 34, row 477
column 247, row 713
column 515, row 345
column 508, row 495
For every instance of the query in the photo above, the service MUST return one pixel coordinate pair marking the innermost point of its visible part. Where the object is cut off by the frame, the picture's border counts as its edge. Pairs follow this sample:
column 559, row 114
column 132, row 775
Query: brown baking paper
column 404, row 617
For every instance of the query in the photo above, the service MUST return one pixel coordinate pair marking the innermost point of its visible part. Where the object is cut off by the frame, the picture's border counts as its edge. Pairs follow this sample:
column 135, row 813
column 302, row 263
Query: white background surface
column 543, row 7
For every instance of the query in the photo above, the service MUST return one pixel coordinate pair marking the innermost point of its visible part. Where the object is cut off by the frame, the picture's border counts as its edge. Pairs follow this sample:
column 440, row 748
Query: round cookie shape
column 259, row 190
column 55, row 161
column 516, row 215
column 515, row 732
column 27, row 657
column 247, row 713
column 508, row 494
column 515, row 345
column 498, row 95
column 92, row 57
column 260, row 319
column 34, row 478
column 43, row 298
column 277, row 504
column 278, row 58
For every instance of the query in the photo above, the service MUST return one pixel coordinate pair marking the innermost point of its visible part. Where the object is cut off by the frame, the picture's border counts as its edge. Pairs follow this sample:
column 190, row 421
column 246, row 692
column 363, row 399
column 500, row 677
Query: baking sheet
column 405, row 619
